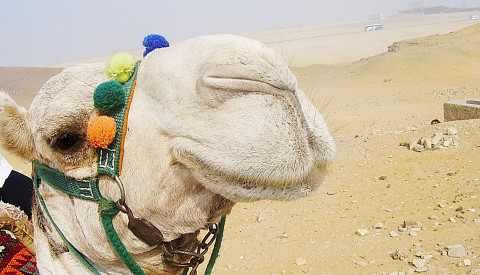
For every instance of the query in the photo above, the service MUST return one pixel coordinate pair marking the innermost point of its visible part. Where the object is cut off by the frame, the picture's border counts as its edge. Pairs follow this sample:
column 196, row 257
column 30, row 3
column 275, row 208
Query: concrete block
column 461, row 109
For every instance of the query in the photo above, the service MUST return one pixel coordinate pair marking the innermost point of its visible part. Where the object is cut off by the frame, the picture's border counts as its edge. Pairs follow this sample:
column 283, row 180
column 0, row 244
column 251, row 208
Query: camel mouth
column 244, row 183
column 237, row 189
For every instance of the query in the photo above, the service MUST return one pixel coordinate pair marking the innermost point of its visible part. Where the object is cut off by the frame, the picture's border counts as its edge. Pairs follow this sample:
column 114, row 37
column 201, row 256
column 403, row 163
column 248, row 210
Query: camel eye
column 66, row 141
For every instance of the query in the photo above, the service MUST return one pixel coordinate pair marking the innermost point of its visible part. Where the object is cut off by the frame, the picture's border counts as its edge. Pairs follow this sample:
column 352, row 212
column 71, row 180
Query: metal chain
column 197, row 257
column 153, row 236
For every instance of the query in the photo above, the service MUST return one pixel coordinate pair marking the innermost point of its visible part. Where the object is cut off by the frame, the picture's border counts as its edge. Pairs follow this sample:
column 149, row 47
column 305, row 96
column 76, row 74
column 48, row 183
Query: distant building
column 374, row 27
column 377, row 16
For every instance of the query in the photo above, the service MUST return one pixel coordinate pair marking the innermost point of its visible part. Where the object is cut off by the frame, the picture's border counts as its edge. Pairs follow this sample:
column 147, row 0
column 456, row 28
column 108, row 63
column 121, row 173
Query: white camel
column 214, row 120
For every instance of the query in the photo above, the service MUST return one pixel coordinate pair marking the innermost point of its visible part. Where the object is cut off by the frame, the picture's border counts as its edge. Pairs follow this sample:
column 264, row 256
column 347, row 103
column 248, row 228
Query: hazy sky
column 40, row 33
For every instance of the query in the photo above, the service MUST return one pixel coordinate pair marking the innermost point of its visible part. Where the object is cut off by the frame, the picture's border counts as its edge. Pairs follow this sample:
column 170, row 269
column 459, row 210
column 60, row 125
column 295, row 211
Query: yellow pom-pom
column 101, row 131
column 121, row 67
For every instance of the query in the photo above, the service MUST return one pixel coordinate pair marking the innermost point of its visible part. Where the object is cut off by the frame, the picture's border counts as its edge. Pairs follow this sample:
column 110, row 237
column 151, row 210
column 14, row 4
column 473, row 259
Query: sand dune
column 373, row 99
column 338, row 43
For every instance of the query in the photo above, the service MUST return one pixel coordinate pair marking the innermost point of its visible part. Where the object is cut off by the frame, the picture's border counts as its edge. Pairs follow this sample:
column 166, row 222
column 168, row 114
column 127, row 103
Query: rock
column 382, row 178
column 361, row 263
column 433, row 217
column 422, row 140
column 409, row 223
column 418, row 148
column 378, row 225
column 452, row 219
column 413, row 234
column 427, row 143
column 393, row 234
column 441, row 205
column 300, row 261
column 261, row 217
column 412, row 142
column 467, row 262
column 456, row 251
column 452, row 131
column 362, row 231
column 421, row 269
column 477, row 221
column 446, row 143
column 331, row 193
column 436, row 140
column 400, row 254
column 419, row 263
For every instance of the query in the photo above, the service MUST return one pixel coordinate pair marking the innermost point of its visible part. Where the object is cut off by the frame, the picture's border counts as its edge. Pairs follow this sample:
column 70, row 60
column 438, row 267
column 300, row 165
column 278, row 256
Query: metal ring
column 122, row 190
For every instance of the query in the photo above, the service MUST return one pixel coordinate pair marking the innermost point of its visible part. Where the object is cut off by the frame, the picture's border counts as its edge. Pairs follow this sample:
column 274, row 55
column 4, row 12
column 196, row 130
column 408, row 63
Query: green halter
column 109, row 163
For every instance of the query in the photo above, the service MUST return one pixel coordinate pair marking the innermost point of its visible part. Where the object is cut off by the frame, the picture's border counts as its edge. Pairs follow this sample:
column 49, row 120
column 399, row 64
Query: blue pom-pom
column 154, row 41
column 108, row 96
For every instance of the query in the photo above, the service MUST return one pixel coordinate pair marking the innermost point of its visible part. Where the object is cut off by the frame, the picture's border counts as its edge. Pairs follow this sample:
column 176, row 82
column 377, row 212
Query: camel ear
column 15, row 134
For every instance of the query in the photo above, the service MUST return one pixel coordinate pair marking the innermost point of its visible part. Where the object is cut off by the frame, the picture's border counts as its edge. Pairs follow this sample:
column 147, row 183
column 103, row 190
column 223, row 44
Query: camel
column 214, row 120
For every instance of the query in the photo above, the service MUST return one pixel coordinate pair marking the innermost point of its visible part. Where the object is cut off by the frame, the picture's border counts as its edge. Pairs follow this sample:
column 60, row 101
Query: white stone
column 418, row 148
column 419, row 263
column 361, row 263
column 412, row 142
column 421, row 269
column 261, row 217
column 400, row 254
column 393, row 234
column 362, row 231
column 452, row 131
column 427, row 143
column 456, row 251
column 378, row 225
column 300, row 261
column 436, row 139
column 413, row 234
column 467, row 262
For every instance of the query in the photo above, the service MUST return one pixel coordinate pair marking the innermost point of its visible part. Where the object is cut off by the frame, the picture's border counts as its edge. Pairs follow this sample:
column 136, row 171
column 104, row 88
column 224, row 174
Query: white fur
column 214, row 120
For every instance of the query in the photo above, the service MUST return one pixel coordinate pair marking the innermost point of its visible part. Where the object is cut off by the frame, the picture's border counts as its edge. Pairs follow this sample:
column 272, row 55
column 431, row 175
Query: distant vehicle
column 473, row 17
column 374, row 27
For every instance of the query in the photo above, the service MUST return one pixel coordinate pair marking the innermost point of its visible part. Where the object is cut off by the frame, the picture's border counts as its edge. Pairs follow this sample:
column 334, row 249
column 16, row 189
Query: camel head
column 213, row 121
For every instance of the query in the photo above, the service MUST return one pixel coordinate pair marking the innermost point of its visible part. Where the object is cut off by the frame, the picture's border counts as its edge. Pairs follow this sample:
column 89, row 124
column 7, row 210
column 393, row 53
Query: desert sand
column 373, row 100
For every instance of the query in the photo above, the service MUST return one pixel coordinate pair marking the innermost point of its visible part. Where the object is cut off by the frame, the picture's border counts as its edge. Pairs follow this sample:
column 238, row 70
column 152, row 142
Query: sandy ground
column 373, row 105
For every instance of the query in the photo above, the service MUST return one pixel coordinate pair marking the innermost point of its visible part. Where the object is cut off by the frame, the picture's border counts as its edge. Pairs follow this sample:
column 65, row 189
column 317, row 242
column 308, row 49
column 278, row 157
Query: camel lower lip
column 239, row 190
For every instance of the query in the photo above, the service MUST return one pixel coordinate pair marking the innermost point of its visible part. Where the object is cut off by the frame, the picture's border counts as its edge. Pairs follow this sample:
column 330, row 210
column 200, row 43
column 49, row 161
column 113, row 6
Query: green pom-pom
column 108, row 96
column 121, row 66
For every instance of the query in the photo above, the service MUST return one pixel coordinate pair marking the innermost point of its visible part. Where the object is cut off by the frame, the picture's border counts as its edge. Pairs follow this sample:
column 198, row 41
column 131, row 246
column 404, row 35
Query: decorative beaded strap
column 110, row 158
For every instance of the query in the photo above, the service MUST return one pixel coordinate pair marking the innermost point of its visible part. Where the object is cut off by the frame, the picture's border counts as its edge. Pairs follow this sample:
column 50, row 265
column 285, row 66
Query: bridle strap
column 80, row 257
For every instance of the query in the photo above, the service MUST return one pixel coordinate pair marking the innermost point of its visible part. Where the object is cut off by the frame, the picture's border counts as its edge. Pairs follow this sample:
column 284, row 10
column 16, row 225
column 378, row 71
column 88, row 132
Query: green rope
column 107, row 209
column 216, row 247
column 79, row 255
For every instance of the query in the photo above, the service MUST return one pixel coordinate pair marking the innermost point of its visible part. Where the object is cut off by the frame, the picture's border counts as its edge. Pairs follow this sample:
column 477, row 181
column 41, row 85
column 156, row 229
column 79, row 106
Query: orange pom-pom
column 101, row 131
